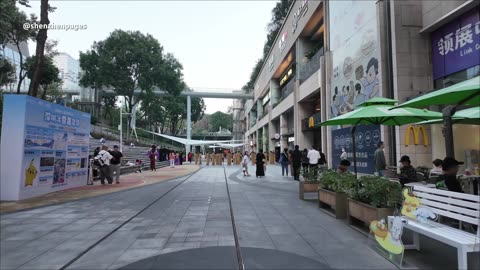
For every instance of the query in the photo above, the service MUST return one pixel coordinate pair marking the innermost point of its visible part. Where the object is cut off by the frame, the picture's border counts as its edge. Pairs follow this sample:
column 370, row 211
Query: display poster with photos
column 367, row 138
column 55, row 145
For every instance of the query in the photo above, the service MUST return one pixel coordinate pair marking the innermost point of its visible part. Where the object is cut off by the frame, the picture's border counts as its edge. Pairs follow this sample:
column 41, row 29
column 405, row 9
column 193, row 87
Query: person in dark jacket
column 296, row 163
column 305, row 158
column 450, row 170
column 284, row 161
column 260, row 160
column 407, row 171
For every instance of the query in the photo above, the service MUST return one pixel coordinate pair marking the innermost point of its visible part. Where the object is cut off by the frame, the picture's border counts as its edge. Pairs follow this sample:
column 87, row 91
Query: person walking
column 190, row 155
column 105, row 157
column 172, row 159
column 116, row 163
column 284, row 161
column 152, row 155
column 304, row 159
column 380, row 162
column 245, row 162
column 296, row 162
column 260, row 160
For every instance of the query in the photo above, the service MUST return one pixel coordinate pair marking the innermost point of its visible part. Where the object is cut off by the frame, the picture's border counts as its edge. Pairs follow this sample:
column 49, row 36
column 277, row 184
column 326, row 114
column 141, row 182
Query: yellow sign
column 311, row 122
column 416, row 130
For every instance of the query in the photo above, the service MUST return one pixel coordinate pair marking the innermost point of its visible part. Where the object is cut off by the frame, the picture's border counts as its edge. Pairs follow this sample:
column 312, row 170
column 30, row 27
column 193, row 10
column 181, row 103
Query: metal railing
column 311, row 66
column 288, row 88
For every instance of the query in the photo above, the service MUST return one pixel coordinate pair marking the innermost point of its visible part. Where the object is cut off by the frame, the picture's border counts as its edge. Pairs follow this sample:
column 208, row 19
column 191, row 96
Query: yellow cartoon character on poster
column 389, row 238
column 30, row 174
column 410, row 204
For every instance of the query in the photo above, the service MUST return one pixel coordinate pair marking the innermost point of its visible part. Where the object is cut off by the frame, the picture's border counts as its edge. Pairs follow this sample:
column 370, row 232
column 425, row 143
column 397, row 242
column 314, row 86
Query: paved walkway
column 128, row 181
column 186, row 223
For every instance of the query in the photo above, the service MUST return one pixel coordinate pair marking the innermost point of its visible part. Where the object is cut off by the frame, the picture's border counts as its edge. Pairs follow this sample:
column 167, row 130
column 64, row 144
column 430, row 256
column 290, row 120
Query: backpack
column 98, row 161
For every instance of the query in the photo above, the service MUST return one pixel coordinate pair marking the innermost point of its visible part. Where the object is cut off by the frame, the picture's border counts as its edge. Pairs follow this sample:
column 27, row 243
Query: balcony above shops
column 311, row 66
column 288, row 88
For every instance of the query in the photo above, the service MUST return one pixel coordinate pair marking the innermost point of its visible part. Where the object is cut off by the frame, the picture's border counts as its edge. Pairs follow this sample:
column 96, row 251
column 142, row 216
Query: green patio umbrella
column 378, row 111
column 463, row 93
column 470, row 116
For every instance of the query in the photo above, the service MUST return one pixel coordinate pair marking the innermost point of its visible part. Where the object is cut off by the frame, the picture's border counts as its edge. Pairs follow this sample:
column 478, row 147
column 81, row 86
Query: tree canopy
column 220, row 119
column 127, row 61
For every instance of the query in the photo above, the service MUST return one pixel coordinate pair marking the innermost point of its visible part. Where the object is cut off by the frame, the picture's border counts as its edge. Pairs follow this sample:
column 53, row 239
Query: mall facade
column 330, row 56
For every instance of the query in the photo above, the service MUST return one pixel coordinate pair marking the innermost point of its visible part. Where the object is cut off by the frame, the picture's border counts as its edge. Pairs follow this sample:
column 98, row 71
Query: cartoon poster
column 355, row 55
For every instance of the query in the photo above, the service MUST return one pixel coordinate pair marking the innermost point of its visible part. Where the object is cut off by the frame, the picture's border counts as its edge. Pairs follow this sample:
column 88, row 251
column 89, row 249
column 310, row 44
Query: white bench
column 458, row 206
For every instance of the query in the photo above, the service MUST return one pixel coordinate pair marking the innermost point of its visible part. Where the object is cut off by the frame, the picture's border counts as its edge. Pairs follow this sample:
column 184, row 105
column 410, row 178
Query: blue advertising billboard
column 367, row 138
column 44, row 149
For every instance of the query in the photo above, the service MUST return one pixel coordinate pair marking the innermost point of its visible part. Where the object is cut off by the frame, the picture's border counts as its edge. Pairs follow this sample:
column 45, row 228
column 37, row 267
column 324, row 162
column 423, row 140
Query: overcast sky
column 217, row 42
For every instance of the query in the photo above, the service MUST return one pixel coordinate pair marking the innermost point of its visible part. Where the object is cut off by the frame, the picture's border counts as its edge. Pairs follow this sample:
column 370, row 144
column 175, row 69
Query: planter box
column 366, row 213
column 306, row 187
column 336, row 200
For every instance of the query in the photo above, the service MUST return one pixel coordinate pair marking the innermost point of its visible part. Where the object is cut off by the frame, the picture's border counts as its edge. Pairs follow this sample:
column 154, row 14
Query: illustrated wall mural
column 355, row 54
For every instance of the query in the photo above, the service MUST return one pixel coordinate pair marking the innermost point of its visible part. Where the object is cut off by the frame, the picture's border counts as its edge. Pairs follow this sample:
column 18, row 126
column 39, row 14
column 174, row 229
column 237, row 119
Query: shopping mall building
column 330, row 56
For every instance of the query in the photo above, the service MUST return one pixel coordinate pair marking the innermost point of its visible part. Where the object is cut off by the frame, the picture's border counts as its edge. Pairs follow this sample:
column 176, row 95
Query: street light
column 120, row 126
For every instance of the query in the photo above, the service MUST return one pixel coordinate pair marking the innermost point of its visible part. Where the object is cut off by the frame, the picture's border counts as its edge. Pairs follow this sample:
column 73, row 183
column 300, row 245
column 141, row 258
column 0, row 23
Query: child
column 139, row 163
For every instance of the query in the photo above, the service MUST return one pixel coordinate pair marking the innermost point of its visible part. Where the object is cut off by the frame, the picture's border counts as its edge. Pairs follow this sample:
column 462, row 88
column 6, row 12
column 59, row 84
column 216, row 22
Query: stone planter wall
column 336, row 200
column 366, row 213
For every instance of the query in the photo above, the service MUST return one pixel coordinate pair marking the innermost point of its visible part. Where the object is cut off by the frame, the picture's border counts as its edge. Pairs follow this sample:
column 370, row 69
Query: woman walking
column 245, row 162
column 172, row 159
column 152, row 155
column 260, row 162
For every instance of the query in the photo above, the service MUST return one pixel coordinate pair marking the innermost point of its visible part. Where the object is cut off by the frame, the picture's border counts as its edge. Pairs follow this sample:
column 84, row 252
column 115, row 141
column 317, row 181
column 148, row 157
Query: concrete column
column 271, row 131
column 283, row 130
column 259, row 108
column 265, row 138
column 189, row 123
column 275, row 92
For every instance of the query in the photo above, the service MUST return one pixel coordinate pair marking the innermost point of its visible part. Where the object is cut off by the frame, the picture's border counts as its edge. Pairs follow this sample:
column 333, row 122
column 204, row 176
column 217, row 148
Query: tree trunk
column 44, row 94
column 20, row 77
column 40, row 50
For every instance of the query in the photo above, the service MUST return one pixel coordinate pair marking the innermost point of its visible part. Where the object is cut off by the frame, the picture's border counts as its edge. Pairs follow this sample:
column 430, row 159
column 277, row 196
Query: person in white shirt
column 313, row 157
column 344, row 155
column 105, row 168
column 245, row 161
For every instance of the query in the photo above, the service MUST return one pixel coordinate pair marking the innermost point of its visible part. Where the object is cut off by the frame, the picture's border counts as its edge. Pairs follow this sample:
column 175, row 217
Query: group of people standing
column 163, row 154
column 108, row 163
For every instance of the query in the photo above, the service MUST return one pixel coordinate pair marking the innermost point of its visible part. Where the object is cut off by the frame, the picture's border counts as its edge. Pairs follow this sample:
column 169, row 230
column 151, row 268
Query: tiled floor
column 196, row 214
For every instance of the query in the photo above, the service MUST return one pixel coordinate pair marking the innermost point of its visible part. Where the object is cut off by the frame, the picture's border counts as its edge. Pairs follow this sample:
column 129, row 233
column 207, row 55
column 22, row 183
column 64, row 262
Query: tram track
column 239, row 256
column 79, row 256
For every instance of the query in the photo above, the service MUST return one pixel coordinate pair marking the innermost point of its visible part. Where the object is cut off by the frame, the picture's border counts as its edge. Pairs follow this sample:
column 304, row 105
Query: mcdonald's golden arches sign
column 416, row 132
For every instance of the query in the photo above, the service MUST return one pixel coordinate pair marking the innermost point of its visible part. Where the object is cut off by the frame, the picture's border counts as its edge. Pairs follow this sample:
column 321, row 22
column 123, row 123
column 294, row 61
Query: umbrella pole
column 448, row 131
column 354, row 151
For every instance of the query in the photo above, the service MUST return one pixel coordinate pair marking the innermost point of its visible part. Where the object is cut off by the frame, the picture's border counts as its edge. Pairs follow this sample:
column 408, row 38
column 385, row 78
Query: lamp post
column 120, row 126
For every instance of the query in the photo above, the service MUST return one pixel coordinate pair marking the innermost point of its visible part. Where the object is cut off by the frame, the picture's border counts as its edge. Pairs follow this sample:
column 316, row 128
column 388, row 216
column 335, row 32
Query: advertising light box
column 44, row 148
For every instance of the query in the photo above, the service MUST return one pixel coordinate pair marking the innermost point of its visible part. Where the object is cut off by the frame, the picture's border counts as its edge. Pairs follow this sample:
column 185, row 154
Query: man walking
column 296, row 162
column 116, row 162
column 380, row 162
column 284, row 161
column 313, row 157
column 105, row 157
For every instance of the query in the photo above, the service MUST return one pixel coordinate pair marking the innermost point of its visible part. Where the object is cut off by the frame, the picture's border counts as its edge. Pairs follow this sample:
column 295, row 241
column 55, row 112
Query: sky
column 218, row 42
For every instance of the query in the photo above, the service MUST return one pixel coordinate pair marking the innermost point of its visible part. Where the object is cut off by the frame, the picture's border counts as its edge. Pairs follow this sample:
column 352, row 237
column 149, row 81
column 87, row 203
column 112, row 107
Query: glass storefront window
column 457, row 77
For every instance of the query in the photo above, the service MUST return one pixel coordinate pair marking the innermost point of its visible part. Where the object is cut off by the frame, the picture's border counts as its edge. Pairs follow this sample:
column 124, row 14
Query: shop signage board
column 367, row 138
column 456, row 46
column 45, row 148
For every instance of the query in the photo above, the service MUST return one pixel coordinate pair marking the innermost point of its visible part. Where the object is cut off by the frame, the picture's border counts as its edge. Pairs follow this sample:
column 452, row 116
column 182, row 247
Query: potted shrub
column 332, row 191
column 374, row 198
column 310, row 182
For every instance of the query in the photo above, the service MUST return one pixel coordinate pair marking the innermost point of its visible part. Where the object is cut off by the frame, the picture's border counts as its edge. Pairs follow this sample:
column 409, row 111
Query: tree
column 12, row 31
column 220, row 119
column 40, row 49
column 127, row 61
column 7, row 72
column 54, row 91
column 50, row 72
